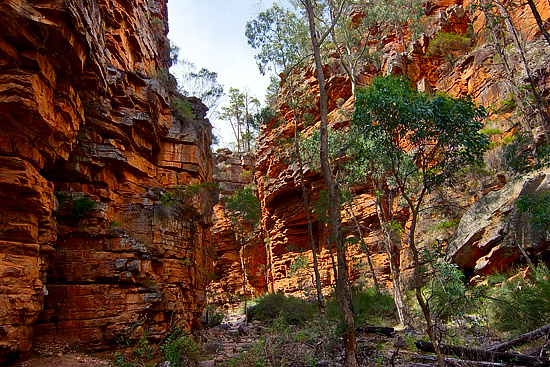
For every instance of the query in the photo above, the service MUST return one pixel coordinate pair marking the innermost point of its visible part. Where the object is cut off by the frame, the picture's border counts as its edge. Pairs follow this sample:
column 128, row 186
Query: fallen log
column 456, row 361
column 522, row 339
column 388, row 331
column 476, row 354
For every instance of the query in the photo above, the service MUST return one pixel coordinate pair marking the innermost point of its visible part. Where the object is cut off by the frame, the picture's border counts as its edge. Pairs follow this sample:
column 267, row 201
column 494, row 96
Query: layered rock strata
column 233, row 171
column 89, row 145
column 476, row 72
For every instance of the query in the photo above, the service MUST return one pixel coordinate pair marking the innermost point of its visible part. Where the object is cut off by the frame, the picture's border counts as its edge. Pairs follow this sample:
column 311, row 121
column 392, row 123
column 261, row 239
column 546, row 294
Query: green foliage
column 446, row 291
column 183, row 108
column 61, row 197
column 299, row 263
column 115, row 224
column 277, row 307
column 163, row 75
column 177, row 345
column 212, row 316
column 369, row 306
column 174, row 52
column 442, row 133
column 520, row 155
column 158, row 24
column 490, row 131
column 281, row 38
column 449, row 45
column 521, row 305
column 509, row 103
column 245, row 116
column 82, row 207
column 451, row 223
column 143, row 350
column 245, row 205
column 538, row 208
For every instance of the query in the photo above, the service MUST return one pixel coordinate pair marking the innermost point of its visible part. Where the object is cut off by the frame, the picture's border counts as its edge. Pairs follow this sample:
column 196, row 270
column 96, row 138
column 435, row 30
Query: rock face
column 233, row 171
column 489, row 237
column 89, row 146
column 476, row 72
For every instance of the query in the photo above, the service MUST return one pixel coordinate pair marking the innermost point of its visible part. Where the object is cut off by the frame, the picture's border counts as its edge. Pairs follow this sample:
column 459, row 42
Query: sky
column 210, row 33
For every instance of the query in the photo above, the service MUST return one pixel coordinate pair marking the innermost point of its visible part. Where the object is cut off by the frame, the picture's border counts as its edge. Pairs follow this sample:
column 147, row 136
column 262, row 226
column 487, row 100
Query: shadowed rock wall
column 89, row 143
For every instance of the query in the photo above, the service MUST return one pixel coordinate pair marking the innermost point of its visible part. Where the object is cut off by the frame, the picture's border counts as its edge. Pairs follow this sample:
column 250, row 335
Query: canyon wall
column 93, row 137
column 475, row 72
column 233, row 171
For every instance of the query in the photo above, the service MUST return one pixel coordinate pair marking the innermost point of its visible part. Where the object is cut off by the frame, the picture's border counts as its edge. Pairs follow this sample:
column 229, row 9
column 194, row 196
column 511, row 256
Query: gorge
column 112, row 217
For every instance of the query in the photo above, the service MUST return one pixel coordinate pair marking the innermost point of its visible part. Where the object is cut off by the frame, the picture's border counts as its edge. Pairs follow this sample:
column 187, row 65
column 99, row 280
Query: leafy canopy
column 280, row 36
column 410, row 134
column 245, row 206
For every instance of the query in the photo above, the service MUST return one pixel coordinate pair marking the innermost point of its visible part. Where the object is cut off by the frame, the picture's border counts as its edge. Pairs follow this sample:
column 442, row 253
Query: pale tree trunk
column 320, row 301
column 418, row 277
column 516, row 38
column 317, row 280
column 243, row 269
column 329, row 243
column 342, row 292
column 364, row 246
column 395, row 273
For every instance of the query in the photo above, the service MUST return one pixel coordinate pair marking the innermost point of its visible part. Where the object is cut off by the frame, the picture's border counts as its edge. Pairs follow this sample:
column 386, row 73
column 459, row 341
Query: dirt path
column 221, row 343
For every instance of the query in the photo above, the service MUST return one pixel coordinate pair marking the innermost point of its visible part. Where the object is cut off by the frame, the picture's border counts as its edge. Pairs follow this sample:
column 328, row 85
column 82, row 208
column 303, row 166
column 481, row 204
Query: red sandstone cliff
column 89, row 144
column 234, row 171
column 475, row 72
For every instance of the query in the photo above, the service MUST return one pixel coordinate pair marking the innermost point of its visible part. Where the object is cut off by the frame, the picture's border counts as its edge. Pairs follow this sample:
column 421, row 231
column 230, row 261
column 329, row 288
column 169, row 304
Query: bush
column 287, row 309
column 82, row 207
column 538, row 208
column 369, row 306
column 212, row 316
column 178, row 345
column 521, row 305
column 446, row 291
column 449, row 45
column 183, row 108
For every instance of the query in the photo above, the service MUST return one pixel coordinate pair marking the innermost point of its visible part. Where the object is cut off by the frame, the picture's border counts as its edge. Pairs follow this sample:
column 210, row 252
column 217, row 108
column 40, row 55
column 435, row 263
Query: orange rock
column 83, row 119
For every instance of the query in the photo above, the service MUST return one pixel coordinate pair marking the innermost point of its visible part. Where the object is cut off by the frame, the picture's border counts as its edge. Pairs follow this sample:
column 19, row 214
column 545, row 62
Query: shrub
column 82, row 207
column 449, row 45
column 62, row 197
column 521, row 305
column 158, row 24
column 212, row 316
column 178, row 345
column 538, row 208
column 490, row 131
column 183, row 108
column 287, row 309
column 369, row 306
column 446, row 291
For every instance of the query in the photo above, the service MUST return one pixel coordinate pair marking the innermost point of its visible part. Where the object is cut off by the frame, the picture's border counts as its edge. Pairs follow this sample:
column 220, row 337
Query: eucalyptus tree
column 244, row 211
column 368, row 164
column 423, row 140
column 234, row 113
column 241, row 114
column 279, row 35
column 202, row 84
column 343, row 294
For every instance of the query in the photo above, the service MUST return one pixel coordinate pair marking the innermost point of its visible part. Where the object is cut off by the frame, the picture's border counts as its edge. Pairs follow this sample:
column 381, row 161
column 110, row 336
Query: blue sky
column 210, row 33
